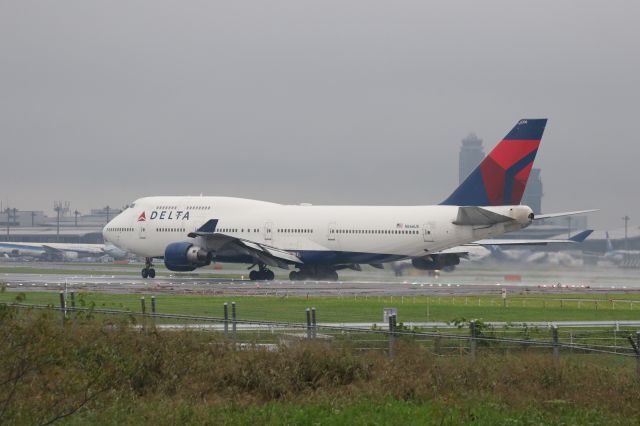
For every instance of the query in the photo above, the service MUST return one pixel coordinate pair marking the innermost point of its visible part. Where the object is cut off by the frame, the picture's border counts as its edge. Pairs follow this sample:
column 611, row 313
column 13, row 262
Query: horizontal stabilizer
column 563, row 214
column 477, row 216
column 464, row 249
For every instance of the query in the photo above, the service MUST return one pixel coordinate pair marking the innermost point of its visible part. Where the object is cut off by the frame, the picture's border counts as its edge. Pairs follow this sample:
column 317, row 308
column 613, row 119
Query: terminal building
column 67, row 227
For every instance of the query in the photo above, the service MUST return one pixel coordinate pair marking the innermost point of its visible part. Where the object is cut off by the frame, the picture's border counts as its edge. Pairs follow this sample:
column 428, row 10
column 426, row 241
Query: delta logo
column 169, row 215
column 142, row 217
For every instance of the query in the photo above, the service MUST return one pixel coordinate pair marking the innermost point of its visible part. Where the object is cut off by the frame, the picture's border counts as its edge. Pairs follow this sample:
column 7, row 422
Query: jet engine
column 185, row 257
column 446, row 262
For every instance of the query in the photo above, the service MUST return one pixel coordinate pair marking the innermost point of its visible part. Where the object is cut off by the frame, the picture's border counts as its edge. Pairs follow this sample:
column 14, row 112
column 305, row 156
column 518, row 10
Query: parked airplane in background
column 190, row 232
column 623, row 258
column 60, row 251
column 483, row 250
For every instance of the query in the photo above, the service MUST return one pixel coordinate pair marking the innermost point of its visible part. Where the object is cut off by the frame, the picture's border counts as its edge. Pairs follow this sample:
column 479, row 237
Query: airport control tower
column 533, row 193
column 471, row 154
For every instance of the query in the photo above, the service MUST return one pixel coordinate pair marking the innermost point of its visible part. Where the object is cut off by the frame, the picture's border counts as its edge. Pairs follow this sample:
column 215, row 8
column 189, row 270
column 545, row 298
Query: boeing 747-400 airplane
column 191, row 232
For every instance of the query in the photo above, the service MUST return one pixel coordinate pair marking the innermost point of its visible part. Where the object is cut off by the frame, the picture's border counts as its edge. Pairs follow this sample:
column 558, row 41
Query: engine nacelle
column 185, row 257
column 434, row 262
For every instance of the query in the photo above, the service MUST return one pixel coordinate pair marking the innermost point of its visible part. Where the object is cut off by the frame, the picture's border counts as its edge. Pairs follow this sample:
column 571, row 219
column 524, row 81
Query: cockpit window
column 132, row 205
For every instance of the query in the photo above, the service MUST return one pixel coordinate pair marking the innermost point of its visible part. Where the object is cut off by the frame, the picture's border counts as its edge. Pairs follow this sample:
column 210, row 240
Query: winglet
column 580, row 237
column 207, row 229
column 210, row 226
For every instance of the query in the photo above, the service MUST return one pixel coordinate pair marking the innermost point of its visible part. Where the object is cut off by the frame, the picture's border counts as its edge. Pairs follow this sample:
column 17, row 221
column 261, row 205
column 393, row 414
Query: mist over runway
column 464, row 281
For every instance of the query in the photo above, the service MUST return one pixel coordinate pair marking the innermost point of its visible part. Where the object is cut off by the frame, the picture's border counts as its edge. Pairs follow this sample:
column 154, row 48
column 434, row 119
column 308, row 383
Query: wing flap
column 261, row 253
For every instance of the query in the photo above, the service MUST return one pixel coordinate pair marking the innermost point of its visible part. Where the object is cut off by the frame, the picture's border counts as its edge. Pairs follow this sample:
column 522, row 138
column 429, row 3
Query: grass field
column 383, row 411
column 368, row 309
column 95, row 372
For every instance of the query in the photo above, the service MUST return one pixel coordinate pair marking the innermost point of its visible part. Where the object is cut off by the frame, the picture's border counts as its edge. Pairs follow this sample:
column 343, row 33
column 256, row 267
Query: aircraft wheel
column 254, row 275
column 145, row 273
column 152, row 273
column 333, row 276
column 293, row 275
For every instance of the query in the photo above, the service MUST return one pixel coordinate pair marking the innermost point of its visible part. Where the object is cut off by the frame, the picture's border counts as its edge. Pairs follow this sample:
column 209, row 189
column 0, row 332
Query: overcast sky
column 327, row 102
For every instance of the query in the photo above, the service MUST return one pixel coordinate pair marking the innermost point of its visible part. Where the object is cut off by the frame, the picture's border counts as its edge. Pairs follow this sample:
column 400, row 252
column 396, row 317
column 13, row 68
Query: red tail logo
column 142, row 217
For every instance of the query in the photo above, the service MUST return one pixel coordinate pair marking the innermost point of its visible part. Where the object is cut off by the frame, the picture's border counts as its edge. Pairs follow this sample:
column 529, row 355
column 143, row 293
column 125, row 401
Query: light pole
column 57, row 207
column 626, row 239
column 8, row 212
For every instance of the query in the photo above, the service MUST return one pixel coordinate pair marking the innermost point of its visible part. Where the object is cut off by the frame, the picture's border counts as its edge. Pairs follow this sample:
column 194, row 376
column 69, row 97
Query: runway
column 125, row 279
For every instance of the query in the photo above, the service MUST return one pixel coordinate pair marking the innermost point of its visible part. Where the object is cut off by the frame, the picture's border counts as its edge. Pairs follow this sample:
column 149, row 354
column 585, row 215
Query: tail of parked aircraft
column 502, row 176
column 609, row 245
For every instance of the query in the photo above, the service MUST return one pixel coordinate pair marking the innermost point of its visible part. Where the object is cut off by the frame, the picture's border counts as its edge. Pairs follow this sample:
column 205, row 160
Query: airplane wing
column 222, row 243
column 464, row 249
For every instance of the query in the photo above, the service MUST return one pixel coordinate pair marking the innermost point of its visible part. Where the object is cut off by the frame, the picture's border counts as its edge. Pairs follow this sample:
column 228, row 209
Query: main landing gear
column 148, row 271
column 263, row 274
column 314, row 273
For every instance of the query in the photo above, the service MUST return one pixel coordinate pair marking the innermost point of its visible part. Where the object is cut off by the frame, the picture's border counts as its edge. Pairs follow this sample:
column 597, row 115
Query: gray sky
column 332, row 102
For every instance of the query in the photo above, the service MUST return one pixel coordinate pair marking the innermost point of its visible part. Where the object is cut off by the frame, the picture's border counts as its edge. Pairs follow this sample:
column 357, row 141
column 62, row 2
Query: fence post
column 73, row 299
column 63, row 308
column 392, row 329
column 226, row 319
column 153, row 308
column 314, row 323
column 635, row 344
column 437, row 345
column 472, row 340
column 143, row 307
column 638, row 354
column 308, row 312
column 233, row 319
column 556, row 344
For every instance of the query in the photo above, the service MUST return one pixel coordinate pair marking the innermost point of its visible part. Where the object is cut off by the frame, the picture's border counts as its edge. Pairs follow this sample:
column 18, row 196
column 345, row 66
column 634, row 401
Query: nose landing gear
column 148, row 271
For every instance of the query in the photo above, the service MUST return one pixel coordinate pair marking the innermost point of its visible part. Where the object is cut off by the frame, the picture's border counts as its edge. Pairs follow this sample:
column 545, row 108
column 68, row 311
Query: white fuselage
column 359, row 234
